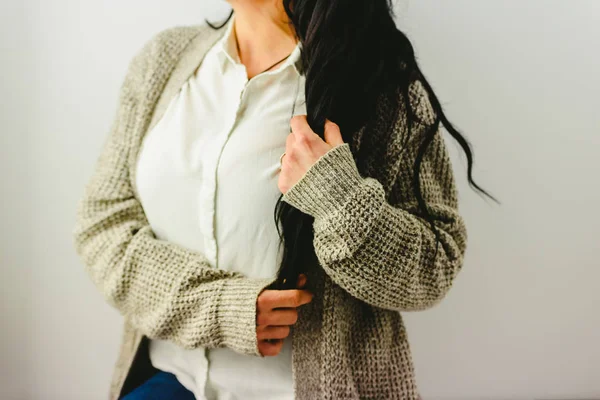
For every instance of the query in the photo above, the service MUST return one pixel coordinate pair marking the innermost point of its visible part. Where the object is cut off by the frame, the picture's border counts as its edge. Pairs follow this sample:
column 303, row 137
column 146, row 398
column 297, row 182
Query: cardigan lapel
column 189, row 61
column 184, row 59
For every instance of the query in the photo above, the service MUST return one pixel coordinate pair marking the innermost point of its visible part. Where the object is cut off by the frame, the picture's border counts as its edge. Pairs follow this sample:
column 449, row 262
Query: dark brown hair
column 350, row 47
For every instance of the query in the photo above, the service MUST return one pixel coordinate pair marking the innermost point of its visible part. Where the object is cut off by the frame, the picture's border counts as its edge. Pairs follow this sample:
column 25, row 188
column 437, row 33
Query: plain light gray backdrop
column 520, row 78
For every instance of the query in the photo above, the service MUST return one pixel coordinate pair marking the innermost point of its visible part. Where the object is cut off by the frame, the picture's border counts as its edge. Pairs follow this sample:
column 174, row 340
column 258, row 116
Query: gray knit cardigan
column 375, row 251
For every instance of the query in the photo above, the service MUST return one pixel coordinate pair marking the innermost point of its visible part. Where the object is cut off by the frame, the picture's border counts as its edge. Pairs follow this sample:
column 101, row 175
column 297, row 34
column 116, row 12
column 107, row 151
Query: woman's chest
column 224, row 121
column 207, row 172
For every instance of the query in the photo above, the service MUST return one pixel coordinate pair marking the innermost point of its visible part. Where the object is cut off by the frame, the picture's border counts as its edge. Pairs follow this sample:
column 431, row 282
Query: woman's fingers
column 275, row 312
column 282, row 316
column 270, row 348
column 272, row 332
column 270, row 299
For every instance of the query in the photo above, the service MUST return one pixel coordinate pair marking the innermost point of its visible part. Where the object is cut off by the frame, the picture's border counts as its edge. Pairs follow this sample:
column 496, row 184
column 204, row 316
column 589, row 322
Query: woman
column 315, row 111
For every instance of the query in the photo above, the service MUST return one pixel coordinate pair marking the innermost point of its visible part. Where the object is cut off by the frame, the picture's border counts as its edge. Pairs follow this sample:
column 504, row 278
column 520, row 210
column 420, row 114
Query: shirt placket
column 209, row 192
column 210, row 177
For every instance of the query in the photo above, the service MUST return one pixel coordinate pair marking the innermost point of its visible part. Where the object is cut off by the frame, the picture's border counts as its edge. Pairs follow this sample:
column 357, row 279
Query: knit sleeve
column 381, row 251
column 165, row 291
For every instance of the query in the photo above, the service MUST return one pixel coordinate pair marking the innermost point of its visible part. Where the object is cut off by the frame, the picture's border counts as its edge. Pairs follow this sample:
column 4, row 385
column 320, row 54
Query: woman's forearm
column 165, row 290
column 382, row 252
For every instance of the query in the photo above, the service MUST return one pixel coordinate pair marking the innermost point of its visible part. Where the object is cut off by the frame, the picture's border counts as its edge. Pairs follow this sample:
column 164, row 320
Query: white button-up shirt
column 207, row 179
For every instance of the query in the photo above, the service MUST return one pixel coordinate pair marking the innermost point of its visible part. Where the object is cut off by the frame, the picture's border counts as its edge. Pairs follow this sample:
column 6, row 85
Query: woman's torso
column 207, row 179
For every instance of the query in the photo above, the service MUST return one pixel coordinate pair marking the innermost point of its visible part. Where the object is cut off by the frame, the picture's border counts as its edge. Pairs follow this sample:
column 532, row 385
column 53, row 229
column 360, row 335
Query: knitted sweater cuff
column 327, row 185
column 236, row 314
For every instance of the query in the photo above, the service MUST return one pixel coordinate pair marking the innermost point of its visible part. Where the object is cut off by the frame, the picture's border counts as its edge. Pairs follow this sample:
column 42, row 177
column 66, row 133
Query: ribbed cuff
column 236, row 314
column 327, row 184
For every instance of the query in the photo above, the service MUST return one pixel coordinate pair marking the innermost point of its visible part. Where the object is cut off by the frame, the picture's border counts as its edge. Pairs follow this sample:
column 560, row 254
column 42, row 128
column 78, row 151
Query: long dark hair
column 351, row 47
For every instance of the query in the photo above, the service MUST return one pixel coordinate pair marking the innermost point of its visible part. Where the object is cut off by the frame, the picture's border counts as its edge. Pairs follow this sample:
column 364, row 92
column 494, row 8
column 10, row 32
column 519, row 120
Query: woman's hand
column 276, row 311
column 303, row 148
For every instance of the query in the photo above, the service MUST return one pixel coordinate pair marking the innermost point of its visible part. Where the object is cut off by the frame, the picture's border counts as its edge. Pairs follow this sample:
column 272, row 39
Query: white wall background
column 520, row 78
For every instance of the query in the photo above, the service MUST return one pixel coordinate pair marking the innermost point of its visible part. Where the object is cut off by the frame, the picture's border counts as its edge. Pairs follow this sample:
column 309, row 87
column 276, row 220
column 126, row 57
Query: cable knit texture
column 375, row 251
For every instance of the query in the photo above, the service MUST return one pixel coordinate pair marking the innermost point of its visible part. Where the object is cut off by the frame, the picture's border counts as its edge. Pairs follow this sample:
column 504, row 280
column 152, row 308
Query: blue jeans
column 162, row 386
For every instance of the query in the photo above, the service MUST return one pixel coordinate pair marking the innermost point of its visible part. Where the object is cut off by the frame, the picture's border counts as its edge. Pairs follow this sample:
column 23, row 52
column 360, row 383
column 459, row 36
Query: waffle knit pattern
column 375, row 251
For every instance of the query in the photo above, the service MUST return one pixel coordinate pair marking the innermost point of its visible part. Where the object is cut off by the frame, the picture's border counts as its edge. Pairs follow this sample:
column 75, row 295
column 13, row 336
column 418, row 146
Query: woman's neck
column 263, row 33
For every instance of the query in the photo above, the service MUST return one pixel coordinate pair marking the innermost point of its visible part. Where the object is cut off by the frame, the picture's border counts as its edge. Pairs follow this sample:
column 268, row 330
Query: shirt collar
column 227, row 51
